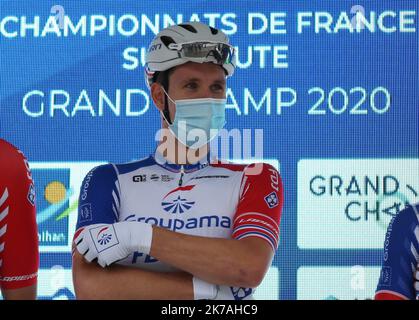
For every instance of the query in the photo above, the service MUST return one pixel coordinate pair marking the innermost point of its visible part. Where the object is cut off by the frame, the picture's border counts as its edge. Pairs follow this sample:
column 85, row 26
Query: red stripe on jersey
column 256, row 231
column 257, row 223
column 261, row 236
column 257, row 218
column 245, row 228
column 78, row 231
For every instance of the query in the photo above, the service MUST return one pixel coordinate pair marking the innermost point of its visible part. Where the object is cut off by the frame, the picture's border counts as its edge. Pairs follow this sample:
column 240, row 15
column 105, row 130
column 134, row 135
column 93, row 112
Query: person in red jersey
column 19, row 257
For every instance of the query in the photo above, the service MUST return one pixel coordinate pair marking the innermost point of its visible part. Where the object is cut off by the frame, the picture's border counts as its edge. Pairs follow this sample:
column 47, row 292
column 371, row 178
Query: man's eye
column 191, row 85
column 217, row 87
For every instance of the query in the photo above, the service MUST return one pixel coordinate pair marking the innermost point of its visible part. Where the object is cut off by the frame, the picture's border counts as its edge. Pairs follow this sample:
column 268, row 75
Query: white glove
column 112, row 242
column 234, row 293
column 203, row 290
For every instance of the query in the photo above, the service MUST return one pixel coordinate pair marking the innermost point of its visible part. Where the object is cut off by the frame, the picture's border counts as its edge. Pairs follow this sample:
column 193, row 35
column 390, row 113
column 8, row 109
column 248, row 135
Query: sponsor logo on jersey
column 166, row 178
column 31, row 194
column 175, row 201
column 19, row 278
column 105, row 237
column 139, row 178
column 210, row 221
column 386, row 276
column 154, row 177
column 213, row 177
column 85, row 213
column 271, row 200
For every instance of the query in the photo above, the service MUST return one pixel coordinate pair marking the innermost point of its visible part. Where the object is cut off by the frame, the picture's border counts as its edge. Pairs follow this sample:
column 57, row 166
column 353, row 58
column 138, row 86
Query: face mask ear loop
column 166, row 113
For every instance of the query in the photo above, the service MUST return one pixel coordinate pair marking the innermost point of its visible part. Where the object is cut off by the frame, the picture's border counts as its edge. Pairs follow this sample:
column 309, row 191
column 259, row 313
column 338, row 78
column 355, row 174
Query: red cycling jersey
column 19, row 257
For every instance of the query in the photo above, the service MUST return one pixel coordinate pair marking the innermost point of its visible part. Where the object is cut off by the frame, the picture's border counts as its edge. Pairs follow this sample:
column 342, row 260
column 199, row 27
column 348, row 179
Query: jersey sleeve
column 99, row 198
column 259, row 209
column 399, row 260
column 19, row 256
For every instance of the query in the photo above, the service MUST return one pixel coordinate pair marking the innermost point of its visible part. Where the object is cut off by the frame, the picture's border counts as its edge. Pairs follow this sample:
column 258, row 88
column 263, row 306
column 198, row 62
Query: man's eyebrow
column 217, row 81
column 191, row 80
column 220, row 81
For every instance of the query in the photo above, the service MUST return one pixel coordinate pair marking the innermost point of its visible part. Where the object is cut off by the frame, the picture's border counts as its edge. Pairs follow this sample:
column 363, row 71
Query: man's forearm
column 118, row 282
column 220, row 261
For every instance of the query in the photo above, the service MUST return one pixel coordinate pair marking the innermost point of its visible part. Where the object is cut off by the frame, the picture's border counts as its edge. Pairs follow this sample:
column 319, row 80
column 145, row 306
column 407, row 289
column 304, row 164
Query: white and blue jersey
column 203, row 199
column 401, row 256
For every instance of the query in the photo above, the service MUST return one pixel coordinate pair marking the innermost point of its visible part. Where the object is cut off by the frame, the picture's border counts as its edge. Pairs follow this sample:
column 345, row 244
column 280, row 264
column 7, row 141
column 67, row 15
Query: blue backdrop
column 333, row 85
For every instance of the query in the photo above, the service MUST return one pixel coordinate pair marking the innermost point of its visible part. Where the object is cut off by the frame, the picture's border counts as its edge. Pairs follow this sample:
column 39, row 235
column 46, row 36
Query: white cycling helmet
column 192, row 41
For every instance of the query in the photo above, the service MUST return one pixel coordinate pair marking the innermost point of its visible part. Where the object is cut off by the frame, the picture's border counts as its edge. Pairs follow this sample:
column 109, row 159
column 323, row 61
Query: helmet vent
column 188, row 27
column 213, row 30
column 167, row 40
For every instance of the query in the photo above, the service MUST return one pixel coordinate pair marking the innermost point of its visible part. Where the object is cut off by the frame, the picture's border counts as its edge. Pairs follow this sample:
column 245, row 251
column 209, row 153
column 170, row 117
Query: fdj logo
column 52, row 203
column 175, row 201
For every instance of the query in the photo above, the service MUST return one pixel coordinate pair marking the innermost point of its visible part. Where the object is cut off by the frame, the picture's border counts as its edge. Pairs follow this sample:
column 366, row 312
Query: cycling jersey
column 19, row 257
column 401, row 256
column 202, row 199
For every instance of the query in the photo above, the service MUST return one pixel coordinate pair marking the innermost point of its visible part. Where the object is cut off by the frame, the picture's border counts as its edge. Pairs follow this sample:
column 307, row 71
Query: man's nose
column 205, row 93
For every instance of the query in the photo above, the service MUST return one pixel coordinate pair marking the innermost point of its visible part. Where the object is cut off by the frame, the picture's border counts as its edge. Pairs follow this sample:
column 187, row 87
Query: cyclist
column 192, row 229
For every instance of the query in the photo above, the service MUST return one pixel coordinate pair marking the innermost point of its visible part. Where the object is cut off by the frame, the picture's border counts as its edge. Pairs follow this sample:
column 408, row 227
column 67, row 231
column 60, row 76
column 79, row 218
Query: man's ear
column 157, row 94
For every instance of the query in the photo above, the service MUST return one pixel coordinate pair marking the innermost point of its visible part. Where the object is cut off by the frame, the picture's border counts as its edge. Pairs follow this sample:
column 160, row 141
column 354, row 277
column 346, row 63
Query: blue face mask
column 197, row 121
